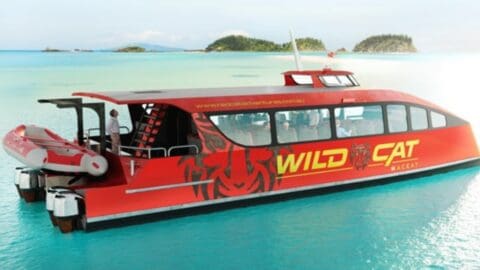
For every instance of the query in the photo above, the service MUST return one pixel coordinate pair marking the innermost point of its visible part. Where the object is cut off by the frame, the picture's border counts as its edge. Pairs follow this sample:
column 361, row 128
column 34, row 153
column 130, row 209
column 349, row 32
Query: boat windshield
column 338, row 80
column 327, row 80
column 302, row 79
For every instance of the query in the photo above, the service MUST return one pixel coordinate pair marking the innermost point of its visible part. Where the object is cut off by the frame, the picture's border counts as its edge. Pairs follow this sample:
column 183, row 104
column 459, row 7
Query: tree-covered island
column 386, row 44
column 131, row 49
column 242, row 43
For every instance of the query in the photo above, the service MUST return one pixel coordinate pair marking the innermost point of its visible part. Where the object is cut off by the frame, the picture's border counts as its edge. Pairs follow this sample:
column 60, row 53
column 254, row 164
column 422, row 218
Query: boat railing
column 89, row 131
column 163, row 151
column 88, row 134
column 125, row 150
column 186, row 146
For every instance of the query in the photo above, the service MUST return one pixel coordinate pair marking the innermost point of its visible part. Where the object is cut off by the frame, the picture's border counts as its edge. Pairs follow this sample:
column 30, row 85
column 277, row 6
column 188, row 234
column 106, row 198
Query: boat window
column 397, row 118
column 419, row 118
column 438, row 120
column 250, row 129
column 303, row 125
column 340, row 80
column 345, row 81
column 359, row 121
column 302, row 79
column 352, row 78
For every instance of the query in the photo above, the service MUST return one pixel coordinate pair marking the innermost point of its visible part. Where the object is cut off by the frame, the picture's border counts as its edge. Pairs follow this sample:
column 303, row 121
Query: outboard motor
column 50, row 197
column 68, row 209
column 16, row 180
column 31, row 184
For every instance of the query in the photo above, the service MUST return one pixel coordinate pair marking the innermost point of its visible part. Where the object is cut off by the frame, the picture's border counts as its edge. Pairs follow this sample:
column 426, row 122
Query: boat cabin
column 312, row 106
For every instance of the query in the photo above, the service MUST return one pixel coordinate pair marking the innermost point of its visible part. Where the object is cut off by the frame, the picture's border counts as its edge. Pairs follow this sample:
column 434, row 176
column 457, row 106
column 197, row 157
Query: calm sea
column 431, row 222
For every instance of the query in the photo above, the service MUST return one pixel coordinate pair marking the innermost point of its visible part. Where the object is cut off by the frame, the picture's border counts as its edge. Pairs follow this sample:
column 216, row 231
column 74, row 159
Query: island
column 128, row 49
column 48, row 49
column 386, row 44
column 243, row 43
column 82, row 50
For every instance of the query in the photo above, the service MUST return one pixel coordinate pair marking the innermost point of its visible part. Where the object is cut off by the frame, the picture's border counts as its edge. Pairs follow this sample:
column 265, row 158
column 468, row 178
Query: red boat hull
column 173, row 183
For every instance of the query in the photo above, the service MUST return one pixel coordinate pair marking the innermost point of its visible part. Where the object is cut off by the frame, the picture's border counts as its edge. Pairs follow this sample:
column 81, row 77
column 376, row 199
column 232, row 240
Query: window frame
column 405, row 106
column 303, row 109
column 440, row 114
column 451, row 120
column 427, row 115
column 379, row 104
column 268, row 112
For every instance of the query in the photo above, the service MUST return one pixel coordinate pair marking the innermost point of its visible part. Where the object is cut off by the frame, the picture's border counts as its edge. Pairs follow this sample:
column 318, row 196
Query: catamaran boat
column 195, row 149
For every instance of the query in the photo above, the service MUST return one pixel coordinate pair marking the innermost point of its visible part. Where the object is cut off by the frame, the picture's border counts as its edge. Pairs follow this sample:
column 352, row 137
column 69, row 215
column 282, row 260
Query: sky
column 434, row 25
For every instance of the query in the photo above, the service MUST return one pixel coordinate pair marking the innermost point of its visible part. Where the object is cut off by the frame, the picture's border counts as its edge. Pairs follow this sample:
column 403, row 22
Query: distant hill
column 242, row 43
column 131, row 49
column 48, row 49
column 386, row 43
column 158, row 48
column 147, row 47
column 305, row 44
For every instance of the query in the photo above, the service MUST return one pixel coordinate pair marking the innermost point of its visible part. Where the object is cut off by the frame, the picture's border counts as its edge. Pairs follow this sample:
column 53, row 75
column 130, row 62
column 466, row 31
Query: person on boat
column 261, row 135
column 113, row 129
column 286, row 133
column 341, row 131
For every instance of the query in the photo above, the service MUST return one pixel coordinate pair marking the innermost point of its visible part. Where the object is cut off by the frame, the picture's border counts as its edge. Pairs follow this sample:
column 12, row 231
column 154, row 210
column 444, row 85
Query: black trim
column 268, row 199
column 409, row 118
column 429, row 119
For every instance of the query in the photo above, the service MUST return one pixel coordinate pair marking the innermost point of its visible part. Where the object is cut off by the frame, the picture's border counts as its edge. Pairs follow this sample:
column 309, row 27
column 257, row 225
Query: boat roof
column 251, row 98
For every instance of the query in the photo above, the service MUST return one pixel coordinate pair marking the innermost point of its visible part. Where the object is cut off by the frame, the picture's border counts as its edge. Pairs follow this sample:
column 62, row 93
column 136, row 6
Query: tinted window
column 340, row 80
column 359, row 121
column 397, row 118
column 249, row 129
column 303, row 125
column 419, row 118
column 438, row 119
column 302, row 79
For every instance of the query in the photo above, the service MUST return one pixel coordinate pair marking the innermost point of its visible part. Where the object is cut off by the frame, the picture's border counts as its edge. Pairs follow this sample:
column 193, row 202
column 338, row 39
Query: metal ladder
column 148, row 127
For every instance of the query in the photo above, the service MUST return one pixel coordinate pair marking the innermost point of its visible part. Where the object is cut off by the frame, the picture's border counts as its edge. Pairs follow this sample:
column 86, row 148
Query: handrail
column 93, row 129
column 182, row 147
column 149, row 150
column 166, row 153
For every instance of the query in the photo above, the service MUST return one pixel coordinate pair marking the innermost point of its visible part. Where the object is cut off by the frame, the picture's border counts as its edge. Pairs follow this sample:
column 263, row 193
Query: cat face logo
column 238, row 172
column 360, row 155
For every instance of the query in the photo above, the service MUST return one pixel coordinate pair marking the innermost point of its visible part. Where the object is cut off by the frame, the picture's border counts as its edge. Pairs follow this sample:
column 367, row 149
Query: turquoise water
column 431, row 222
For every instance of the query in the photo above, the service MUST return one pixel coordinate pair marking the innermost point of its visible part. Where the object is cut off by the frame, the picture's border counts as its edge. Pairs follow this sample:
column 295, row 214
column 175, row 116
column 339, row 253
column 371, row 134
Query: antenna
column 298, row 61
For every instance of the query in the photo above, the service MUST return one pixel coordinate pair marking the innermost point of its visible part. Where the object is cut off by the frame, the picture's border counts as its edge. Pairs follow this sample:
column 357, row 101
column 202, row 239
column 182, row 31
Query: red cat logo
column 360, row 155
column 235, row 171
